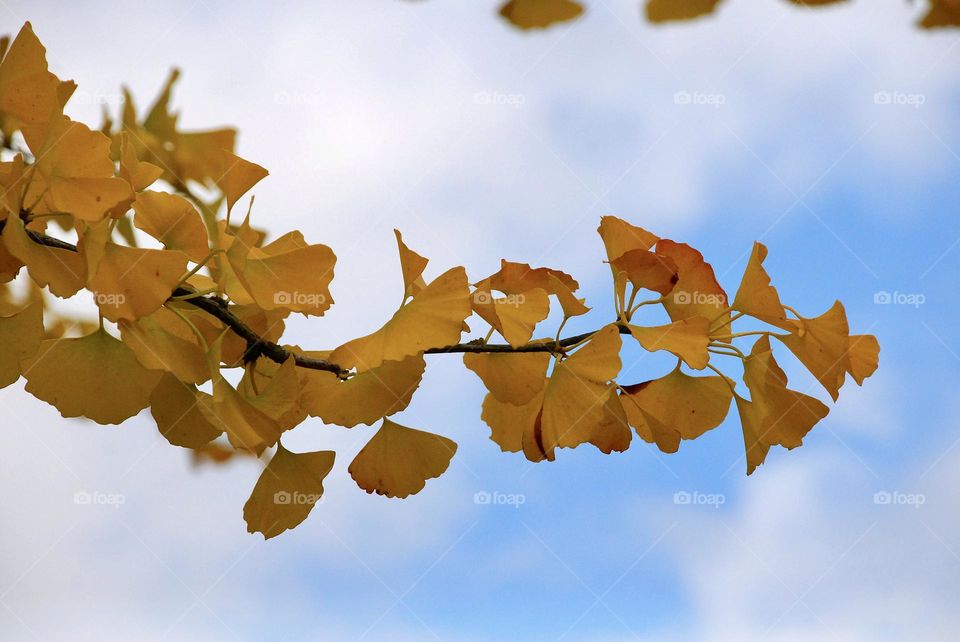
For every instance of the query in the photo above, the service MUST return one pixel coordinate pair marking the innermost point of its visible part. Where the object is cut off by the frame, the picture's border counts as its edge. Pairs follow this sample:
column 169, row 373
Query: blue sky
column 374, row 115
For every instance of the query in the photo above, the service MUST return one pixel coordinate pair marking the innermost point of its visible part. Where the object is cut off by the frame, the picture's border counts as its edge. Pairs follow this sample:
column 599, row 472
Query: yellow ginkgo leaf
column 518, row 315
column 515, row 428
column 28, row 91
column 274, row 390
column 74, row 172
column 139, row 174
column 162, row 341
column 572, row 306
column 20, row 336
column 412, row 265
column 697, row 291
column 131, row 283
column 513, row 378
column 63, row 271
column 864, row 356
column 247, row 427
column 288, row 274
column 537, row 14
column 95, row 376
column 184, row 415
column 786, row 416
column 174, row 221
column 237, row 176
column 517, row 278
column 648, row 270
column 822, row 344
column 686, row 338
column 751, row 421
column 756, row 296
column 432, row 319
column 398, row 461
column 620, row 237
column 690, row 406
column 580, row 405
column 364, row 398
column 14, row 176
column 669, row 10
column 288, row 489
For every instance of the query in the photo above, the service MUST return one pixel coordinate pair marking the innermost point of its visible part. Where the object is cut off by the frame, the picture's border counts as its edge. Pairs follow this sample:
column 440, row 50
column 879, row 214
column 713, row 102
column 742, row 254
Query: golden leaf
column 63, row 271
column 537, row 14
column 174, row 221
column 686, row 338
column 184, row 415
column 822, row 344
column 131, row 283
column 20, row 336
column 513, row 378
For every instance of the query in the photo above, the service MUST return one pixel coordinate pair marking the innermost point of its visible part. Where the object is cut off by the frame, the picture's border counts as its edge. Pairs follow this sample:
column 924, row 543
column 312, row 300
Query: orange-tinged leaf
column 412, row 265
column 943, row 13
column 572, row 306
column 580, row 405
column 63, row 271
column 517, row 278
column 183, row 414
column 756, row 296
column 288, row 489
column 513, row 427
column 95, row 376
column 237, row 176
column 28, row 91
column 864, row 353
column 513, row 378
column 690, row 406
column 686, row 338
column 697, row 292
column 537, row 14
column 174, row 221
column 433, row 318
column 398, row 461
column 20, row 336
column 648, row 270
column 131, row 283
column 620, row 237
column 822, row 344
column 288, row 274
column 755, row 446
column 364, row 398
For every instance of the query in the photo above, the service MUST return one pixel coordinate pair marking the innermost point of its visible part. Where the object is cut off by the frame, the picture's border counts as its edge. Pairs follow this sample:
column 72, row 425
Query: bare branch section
column 257, row 346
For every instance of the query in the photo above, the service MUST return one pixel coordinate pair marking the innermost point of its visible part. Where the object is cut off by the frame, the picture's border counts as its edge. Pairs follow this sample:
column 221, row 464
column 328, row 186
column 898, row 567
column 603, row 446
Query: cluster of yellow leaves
column 534, row 14
column 208, row 296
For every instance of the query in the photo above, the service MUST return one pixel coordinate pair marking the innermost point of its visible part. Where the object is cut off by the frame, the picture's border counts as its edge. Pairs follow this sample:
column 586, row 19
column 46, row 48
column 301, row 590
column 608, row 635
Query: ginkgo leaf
column 648, row 270
column 237, row 176
column 751, row 421
column 756, row 296
column 288, row 489
column 517, row 278
column 183, row 414
column 537, row 14
column 580, row 405
column 364, row 398
column 822, row 344
column 513, row 427
column 28, row 91
column 572, row 306
column 289, row 274
column 95, row 376
column 131, row 283
column 697, row 292
column 668, row 10
column 786, row 416
column 620, row 237
column 247, row 427
column 943, row 13
column 864, row 354
column 63, row 271
column 686, row 338
column 688, row 406
column 433, row 318
column 518, row 315
column 174, row 221
column 139, row 174
column 74, row 172
column 412, row 265
column 20, row 336
column 513, row 378
column 162, row 341
column 13, row 178
column 398, row 461
column 274, row 390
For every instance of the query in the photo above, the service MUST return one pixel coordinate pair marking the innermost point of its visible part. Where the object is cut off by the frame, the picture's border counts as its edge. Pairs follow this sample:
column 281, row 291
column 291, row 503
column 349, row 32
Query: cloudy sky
column 830, row 135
